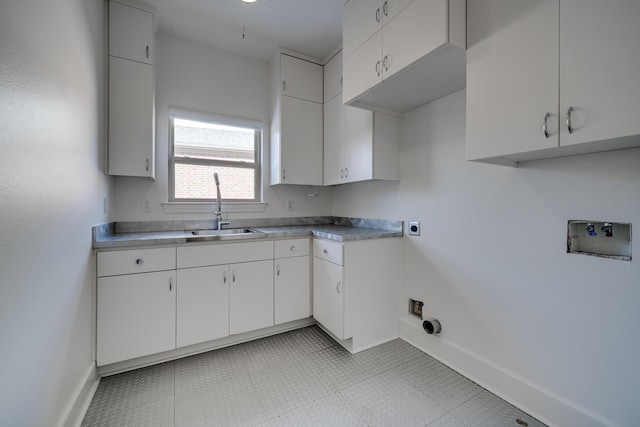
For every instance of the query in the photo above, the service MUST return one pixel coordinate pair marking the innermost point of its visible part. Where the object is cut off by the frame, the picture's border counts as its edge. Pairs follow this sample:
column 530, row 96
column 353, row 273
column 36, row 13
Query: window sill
column 208, row 207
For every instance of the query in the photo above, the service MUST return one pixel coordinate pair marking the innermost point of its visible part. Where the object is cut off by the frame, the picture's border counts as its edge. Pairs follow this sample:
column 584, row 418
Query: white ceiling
column 312, row 27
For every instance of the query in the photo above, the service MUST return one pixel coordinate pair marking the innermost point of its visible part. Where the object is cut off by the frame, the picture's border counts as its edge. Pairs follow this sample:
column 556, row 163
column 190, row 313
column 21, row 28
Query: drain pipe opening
column 432, row 326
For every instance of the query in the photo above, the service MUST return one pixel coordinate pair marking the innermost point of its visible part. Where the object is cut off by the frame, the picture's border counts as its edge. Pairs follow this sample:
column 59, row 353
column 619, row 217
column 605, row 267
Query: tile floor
column 300, row 378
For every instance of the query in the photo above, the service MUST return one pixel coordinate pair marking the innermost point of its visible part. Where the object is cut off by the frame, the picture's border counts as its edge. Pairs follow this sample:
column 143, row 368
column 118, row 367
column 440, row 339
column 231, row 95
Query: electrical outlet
column 146, row 205
column 414, row 228
column 290, row 205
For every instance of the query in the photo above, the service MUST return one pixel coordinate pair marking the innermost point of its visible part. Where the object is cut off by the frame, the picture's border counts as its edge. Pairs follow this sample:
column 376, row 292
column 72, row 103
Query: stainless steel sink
column 228, row 233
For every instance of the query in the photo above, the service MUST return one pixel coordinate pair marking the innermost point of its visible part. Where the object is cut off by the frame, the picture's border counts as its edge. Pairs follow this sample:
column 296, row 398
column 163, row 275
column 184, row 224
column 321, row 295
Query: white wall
column 51, row 193
column 201, row 78
column 555, row 333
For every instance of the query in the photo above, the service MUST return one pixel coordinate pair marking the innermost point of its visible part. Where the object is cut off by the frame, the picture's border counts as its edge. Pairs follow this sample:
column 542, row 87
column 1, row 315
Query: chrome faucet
column 218, row 212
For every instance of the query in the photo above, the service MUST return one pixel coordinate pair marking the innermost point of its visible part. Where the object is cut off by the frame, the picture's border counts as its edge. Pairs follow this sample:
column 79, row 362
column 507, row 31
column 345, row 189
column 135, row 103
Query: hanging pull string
column 243, row 20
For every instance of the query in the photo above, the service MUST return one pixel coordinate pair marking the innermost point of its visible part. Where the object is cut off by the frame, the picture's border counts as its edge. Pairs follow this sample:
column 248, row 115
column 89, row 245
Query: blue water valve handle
column 593, row 233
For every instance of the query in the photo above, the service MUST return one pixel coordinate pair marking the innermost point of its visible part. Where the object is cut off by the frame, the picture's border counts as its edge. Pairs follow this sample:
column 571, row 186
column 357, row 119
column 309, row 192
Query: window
column 202, row 144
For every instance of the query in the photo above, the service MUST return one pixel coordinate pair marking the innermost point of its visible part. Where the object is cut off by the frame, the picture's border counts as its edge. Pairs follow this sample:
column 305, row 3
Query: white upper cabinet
column 301, row 79
column 359, row 144
column 332, row 74
column 599, row 69
column 512, row 76
column 520, row 107
column 296, row 121
column 131, row 33
column 131, row 91
column 415, row 55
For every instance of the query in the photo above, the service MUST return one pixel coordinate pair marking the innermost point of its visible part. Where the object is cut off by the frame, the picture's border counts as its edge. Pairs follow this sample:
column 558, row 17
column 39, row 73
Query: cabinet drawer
column 291, row 247
column 328, row 250
column 224, row 253
column 136, row 261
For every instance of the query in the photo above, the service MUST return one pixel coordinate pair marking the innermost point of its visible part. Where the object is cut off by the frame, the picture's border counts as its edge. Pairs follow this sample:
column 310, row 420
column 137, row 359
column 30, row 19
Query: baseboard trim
column 80, row 399
column 542, row 404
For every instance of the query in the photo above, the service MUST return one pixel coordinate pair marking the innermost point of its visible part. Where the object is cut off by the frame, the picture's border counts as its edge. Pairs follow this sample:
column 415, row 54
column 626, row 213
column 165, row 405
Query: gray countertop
column 109, row 236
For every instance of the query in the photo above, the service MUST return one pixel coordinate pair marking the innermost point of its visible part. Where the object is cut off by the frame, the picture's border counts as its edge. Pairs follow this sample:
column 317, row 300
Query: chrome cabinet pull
column 139, row 261
column 326, row 252
column 346, row 173
column 233, row 277
column 385, row 8
column 284, row 174
column 147, row 165
column 284, row 86
column 292, row 248
column 341, row 173
column 170, row 284
column 378, row 68
column 147, row 51
column 544, row 125
column 378, row 15
column 569, row 127
column 338, row 288
column 224, row 277
column 341, row 81
column 385, row 63
column 277, row 270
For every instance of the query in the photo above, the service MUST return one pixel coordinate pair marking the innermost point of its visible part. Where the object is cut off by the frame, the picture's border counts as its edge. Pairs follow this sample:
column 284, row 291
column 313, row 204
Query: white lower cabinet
column 328, row 300
column 251, row 296
column 292, row 280
column 355, row 290
column 203, row 304
column 136, row 315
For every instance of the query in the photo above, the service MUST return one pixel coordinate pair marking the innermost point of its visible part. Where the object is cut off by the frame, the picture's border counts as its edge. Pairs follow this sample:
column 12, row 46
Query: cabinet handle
column 147, row 52
column 170, row 284
column 224, row 277
column 284, row 174
column 326, row 252
column 341, row 173
column 544, row 125
column 385, row 63
column 233, row 277
column 569, row 127
column 139, row 261
column 346, row 173
column 284, row 86
column 147, row 165
column 378, row 68
column 277, row 270
column 338, row 288
column 378, row 15
column 292, row 248
column 385, row 8
column 341, row 81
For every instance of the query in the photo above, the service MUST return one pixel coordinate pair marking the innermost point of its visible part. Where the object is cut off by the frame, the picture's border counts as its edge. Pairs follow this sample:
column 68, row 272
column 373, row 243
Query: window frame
column 256, row 166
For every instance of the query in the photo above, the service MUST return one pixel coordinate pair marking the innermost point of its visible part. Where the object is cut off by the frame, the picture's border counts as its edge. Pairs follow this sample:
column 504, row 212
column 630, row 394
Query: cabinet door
column 333, row 77
column 362, row 69
column 417, row 30
column 202, row 312
column 301, row 79
column 328, row 301
column 391, row 8
column 334, row 141
column 131, row 120
column 292, row 289
column 362, row 19
column 358, row 144
column 512, row 76
column 301, row 142
column 251, row 296
column 136, row 315
column 599, row 69
column 131, row 33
